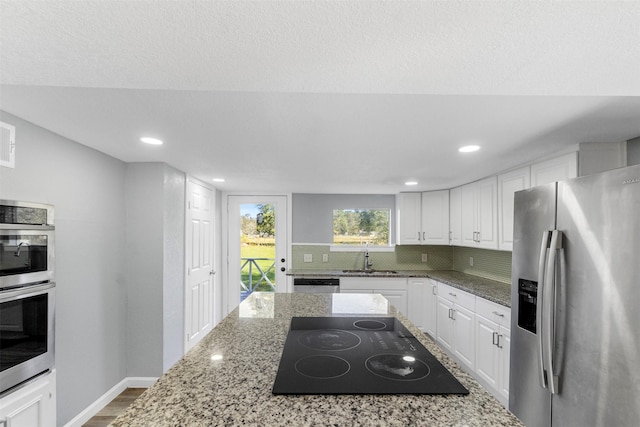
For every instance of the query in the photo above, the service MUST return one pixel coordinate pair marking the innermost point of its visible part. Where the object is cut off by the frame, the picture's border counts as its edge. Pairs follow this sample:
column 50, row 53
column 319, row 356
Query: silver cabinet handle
column 423, row 236
column 418, row 236
column 498, row 314
column 495, row 338
column 433, row 289
column 452, row 294
column 451, row 313
column 499, row 344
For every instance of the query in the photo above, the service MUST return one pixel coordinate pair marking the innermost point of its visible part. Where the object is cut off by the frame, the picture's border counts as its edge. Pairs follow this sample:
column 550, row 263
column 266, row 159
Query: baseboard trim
column 102, row 401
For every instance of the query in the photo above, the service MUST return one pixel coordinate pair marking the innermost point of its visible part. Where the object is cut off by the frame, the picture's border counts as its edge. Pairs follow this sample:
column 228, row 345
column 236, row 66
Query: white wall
column 119, row 260
column 87, row 189
column 154, row 267
column 173, row 264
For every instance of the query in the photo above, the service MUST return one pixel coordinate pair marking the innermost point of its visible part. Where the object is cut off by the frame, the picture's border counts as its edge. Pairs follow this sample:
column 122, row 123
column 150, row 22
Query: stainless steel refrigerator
column 575, row 329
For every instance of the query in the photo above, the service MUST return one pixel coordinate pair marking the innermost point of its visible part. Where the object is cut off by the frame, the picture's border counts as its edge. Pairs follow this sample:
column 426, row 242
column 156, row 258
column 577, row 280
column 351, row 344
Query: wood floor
column 114, row 408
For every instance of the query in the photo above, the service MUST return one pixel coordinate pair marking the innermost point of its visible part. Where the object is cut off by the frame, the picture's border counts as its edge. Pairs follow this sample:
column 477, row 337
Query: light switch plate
column 424, row 258
column 308, row 258
column 325, row 257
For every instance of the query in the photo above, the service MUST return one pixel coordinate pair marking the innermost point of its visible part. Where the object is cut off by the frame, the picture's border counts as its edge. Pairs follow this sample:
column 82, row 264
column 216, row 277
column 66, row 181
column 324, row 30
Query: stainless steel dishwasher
column 316, row 285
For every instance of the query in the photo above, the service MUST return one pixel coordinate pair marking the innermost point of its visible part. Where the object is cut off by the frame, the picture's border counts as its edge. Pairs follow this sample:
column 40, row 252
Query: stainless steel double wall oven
column 27, row 292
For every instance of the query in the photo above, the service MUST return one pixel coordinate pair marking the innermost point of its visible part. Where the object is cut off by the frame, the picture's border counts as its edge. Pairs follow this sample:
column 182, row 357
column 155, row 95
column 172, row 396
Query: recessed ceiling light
column 152, row 141
column 468, row 148
column 411, row 183
column 218, row 179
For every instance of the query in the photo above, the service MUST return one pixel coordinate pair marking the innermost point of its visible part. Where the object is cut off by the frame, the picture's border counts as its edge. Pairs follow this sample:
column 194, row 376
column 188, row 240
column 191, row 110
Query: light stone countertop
column 236, row 389
column 491, row 290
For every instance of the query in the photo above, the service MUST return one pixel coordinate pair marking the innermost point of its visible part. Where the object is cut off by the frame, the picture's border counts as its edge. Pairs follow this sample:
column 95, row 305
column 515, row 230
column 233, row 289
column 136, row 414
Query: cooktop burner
column 356, row 355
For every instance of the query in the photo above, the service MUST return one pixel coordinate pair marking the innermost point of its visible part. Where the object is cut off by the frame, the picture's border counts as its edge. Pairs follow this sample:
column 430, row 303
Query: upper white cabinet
column 423, row 218
column 508, row 184
column 455, row 216
column 556, row 169
column 409, row 213
column 479, row 202
column 435, row 217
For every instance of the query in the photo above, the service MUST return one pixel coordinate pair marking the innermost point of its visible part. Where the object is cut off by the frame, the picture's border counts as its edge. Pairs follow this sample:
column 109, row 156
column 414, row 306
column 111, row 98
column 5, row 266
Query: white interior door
column 199, row 254
column 268, row 269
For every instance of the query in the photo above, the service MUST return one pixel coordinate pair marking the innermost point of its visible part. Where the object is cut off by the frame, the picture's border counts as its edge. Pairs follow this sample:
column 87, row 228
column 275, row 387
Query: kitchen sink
column 371, row 271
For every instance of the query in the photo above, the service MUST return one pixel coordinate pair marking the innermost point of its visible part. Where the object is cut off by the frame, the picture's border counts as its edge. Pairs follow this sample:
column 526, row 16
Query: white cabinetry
column 492, row 347
column 408, row 217
column 479, row 216
column 33, row 405
column 455, row 323
column 455, row 216
column 556, row 169
column 422, row 304
column 508, row 184
column 393, row 289
column 423, row 218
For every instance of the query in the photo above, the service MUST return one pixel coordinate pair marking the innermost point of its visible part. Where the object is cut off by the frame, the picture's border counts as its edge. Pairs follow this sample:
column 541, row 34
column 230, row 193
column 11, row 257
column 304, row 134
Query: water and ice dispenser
column 527, row 302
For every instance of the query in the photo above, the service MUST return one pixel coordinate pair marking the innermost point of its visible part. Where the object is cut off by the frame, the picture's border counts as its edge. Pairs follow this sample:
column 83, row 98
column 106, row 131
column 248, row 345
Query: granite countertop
column 491, row 290
column 234, row 388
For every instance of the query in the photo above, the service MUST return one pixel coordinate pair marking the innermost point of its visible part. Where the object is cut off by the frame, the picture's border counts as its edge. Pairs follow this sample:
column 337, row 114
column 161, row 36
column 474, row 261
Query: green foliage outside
column 258, row 241
column 359, row 226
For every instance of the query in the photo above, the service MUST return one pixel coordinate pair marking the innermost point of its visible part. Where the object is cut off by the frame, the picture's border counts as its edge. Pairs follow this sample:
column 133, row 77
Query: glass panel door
column 257, row 246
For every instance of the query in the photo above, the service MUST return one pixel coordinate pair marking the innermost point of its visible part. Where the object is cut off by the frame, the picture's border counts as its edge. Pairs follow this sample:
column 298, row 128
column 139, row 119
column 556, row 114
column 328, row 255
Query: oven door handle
column 25, row 291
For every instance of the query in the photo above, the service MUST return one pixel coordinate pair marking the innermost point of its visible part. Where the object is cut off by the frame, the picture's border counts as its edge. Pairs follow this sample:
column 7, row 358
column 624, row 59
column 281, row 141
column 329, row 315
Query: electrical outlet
column 471, row 261
column 325, row 257
column 424, row 258
column 308, row 258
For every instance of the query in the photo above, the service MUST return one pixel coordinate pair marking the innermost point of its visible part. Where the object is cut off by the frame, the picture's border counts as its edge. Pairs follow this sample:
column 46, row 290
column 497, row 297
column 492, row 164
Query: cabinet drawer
column 458, row 296
column 495, row 312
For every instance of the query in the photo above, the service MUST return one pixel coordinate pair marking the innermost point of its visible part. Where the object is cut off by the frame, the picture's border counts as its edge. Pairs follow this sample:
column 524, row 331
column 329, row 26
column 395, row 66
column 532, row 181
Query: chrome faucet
column 367, row 262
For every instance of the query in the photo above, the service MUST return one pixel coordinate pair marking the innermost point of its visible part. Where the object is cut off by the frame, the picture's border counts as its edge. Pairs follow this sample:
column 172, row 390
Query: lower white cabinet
column 492, row 347
column 455, row 323
column 33, row 405
column 393, row 289
column 422, row 300
column 473, row 330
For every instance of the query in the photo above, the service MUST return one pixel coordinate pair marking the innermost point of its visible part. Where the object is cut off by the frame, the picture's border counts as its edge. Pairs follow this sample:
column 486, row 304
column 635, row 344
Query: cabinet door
column 31, row 406
column 464, row 335
column 417, row 301
column 455, row 216
column 431, row 309
column 487, row 366
column 486, row 213
column 408, row 207
column 504, row 360
column 468, row 215
column 398, row 299
column 508, row 184
column 445, row 323
column 435, row 217
column 557, row 169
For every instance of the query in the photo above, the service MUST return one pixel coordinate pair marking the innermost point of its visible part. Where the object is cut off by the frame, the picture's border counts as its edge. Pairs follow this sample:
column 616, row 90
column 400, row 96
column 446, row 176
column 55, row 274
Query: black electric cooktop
column 358, row 355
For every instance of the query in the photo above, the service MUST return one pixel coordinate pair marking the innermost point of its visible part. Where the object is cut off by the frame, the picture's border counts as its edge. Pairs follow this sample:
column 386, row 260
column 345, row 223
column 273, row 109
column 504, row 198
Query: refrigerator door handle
column 550, row 309
column 539, row 307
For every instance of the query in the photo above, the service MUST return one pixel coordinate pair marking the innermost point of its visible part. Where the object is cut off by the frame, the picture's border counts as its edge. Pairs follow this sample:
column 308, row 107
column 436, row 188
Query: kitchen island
column 227, row 378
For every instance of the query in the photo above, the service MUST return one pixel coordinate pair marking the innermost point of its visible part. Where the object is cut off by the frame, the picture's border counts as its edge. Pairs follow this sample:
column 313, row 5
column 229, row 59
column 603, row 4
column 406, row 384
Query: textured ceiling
column 333, row 96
